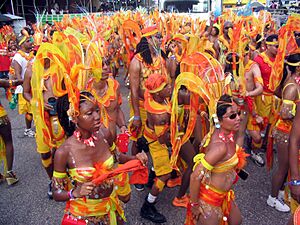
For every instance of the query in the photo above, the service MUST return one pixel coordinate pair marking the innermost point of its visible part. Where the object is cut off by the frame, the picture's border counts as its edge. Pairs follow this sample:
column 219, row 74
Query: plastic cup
column 52, row 102
column 122, row 142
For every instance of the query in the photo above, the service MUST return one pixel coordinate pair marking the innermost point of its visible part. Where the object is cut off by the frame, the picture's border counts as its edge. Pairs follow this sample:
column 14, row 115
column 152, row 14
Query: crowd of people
column 204, row 96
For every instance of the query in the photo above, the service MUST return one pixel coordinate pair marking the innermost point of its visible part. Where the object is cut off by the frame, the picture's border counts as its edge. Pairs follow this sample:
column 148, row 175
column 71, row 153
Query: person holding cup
column 50, row 134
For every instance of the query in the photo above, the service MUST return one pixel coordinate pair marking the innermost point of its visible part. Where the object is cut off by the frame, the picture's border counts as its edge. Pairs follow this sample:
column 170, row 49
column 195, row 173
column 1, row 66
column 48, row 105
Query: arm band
column 199, row 158
column 59, row 174
column 290, row 102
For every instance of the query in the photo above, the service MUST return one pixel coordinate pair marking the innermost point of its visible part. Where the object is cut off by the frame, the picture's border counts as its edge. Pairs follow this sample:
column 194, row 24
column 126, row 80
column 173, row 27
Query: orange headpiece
column 155, row 83
column 149, row 31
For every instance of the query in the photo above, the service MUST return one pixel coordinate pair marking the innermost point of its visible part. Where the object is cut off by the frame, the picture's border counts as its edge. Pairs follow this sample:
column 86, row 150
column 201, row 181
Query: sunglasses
column 226, row 28
column 233, row 116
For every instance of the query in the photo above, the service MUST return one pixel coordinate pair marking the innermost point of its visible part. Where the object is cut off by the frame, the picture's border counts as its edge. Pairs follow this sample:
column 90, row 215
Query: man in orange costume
column 149, row 59
column 265, row 61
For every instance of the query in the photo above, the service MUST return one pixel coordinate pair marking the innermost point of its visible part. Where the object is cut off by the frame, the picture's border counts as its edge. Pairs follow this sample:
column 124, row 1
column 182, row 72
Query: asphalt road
column 27, row 203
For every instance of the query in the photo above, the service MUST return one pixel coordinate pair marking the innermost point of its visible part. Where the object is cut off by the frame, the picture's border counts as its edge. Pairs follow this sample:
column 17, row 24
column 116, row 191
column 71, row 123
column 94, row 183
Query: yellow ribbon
column 199, row 158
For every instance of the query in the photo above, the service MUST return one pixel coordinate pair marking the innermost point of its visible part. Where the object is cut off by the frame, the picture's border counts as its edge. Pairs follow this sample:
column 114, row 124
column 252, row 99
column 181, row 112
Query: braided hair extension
column 62, row 106
column 228, row 66
column 144, row 49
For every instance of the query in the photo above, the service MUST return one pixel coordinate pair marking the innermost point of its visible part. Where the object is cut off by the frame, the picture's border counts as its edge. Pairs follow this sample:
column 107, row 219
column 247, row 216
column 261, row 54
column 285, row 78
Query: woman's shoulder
column 216, row 145
column 66, row 146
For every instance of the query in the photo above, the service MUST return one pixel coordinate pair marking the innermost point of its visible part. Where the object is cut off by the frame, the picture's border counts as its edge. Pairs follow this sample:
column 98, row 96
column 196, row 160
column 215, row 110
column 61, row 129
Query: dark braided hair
column 228, row 66
column 258, row 41
column 143, row 48
column 294, row 58
column 63, row 106
column 222, row 105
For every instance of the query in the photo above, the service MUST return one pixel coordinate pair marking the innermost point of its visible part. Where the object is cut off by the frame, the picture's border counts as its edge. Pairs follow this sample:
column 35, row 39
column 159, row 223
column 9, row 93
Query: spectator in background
column 4, row 61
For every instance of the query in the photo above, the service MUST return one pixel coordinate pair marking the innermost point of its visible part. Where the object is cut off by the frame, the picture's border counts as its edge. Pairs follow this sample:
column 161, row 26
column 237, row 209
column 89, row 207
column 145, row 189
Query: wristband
column 136, row 118
column 70, row 194
column 293, row 183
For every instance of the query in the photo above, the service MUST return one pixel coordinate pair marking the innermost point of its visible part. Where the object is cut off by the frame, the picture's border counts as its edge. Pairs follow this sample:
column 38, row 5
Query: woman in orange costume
column 215, row 171
column 6, row 142
column 87, row 153
column 281, row 133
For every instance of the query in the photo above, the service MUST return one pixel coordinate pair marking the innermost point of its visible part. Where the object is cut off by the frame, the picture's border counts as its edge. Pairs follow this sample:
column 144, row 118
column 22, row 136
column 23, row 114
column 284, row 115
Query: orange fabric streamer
column 140, row 172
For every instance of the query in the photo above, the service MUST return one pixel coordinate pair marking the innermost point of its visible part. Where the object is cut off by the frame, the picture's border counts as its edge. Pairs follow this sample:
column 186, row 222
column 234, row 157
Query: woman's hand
column 142, row 157
column 196, row 212
column 84, row 189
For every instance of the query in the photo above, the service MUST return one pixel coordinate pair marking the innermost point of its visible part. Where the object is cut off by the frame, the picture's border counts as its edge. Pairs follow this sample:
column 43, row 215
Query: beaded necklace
column 228, row 138
column 89, row 141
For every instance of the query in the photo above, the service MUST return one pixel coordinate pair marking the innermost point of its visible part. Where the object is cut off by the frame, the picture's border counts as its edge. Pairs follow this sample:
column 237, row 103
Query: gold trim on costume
column 272, row 42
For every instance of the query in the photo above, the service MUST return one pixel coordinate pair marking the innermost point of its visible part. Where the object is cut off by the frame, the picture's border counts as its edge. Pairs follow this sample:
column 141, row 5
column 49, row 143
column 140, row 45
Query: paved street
column 27, row 203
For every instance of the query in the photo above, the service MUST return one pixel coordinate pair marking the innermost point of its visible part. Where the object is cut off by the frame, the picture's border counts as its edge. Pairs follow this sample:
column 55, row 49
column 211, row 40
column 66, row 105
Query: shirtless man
column 107, row 93
column 254, row 88
column 49, row 120
column 19, row 64
column 148, row 60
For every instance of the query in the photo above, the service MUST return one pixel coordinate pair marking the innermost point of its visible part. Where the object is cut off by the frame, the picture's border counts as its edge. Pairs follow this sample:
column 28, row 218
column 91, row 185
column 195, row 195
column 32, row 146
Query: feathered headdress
column 203, row 76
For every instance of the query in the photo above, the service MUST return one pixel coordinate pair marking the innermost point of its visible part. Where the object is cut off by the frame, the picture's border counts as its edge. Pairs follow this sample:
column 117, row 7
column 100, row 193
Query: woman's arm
column 287, row 110
column 59, row 180
column 215, row 153
column 10, row 83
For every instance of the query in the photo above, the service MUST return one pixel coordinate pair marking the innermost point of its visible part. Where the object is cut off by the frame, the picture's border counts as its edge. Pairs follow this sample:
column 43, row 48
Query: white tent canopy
column 18, row 22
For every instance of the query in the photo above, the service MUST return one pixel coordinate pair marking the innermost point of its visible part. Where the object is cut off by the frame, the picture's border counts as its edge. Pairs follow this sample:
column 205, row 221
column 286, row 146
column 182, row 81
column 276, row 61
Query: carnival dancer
column 148, row 59
column 293, row 149
column 107, row 94
column 265, row 102
column 45, row 146
column 224, row 41
column 7, row 49
column 6, row 141
column 281, row 132
column 157, row 104
column 19, row 64
column 212, row 200
column 88, row 153
column 4, row 61
column 250, row 120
